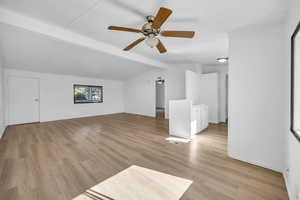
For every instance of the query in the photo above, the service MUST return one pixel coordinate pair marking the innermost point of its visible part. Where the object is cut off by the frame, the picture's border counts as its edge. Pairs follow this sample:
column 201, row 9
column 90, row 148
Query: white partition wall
column 292, row 149
column 257, row 95
column 180, row 113
column 139, row 91
column 186, row 119
column 204, row 89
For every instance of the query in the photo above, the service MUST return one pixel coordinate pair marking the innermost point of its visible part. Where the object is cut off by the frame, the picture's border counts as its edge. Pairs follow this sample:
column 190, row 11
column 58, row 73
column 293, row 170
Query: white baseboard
column 257, row 163
column 287, row 185
column 2, row 131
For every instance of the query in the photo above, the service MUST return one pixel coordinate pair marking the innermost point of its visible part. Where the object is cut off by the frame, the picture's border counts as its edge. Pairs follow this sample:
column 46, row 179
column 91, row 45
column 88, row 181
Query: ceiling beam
column 50, row 30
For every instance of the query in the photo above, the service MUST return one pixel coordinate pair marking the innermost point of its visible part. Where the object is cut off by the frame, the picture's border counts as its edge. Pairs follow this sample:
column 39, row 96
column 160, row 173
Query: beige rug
column 138, row 183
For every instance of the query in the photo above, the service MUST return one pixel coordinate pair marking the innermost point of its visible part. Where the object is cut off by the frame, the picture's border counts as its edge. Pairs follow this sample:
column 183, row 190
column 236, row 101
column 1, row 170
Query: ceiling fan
column 151, row 30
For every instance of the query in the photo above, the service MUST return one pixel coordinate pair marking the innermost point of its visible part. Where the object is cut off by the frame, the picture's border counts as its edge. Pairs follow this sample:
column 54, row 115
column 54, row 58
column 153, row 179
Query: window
column 88, row 94
column 295, row 83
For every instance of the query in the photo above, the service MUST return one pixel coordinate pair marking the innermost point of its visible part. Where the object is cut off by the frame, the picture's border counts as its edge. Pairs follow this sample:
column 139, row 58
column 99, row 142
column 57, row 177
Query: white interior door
column 23, row 100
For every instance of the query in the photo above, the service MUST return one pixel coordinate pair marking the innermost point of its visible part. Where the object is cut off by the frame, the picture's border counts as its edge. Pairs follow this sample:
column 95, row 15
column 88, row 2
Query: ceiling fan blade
column 161, row 48
column 119, row 28
column 134, row 44
column 184, row 34
column 161, row 17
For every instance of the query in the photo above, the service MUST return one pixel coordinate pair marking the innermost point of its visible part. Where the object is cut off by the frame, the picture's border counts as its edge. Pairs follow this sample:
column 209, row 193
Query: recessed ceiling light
column 222, row 60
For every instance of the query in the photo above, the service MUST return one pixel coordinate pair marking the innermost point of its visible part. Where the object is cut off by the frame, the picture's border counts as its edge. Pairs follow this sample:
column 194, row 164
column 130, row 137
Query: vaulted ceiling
column 32, row 43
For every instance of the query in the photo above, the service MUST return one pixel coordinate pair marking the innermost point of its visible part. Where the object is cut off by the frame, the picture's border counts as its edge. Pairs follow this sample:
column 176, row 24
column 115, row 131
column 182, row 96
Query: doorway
column 23, row 100
column 160, row 98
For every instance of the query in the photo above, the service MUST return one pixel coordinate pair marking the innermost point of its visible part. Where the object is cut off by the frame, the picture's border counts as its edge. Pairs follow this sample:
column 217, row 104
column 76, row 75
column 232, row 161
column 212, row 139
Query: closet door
column 23, row 95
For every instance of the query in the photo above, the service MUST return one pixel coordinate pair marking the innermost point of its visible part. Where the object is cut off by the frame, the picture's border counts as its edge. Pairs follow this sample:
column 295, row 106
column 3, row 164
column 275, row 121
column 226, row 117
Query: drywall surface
column 223, row 91
column 292, row 158
column 180, row 123
column 256, row 100
column 139, row 92
column 160, row 95
column 56, row 96
column 2, row 121
column 175, row 86
column 222, row 70
column 204, row 89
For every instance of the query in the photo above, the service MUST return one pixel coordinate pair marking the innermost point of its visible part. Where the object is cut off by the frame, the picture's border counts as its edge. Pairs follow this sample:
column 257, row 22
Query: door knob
column 36, row 99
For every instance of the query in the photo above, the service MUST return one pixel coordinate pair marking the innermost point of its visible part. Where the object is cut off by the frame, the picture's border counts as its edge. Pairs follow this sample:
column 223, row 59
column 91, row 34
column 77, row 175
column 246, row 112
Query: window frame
column 295, row 34
column 88, row 86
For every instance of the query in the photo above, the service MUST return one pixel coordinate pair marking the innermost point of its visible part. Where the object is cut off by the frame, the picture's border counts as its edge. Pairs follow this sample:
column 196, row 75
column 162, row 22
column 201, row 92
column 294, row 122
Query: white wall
column 180, row 123
column 175, row 86
column 160, row 95
column 292, row 161
column 257, row 95
column 140, row 91
column 204, row 89
column 223, row 91
column 222, row 70
column 2, row 124
column 56, row 96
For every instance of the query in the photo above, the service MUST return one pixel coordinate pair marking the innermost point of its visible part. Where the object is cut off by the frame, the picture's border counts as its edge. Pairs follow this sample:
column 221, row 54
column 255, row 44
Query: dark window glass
column 88, row 94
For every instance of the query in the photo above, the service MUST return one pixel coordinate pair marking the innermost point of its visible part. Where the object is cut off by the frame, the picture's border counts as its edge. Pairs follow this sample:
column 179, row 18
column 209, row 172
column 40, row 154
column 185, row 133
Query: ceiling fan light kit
column 151, row 41
column 151, row 31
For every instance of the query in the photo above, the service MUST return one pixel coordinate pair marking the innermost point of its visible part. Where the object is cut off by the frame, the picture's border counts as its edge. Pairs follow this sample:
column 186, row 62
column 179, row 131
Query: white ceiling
column 35, row 52
column 211, row 19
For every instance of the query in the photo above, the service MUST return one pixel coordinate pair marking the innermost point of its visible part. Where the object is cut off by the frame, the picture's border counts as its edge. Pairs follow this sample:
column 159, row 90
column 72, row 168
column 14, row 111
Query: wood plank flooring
column 59, row 160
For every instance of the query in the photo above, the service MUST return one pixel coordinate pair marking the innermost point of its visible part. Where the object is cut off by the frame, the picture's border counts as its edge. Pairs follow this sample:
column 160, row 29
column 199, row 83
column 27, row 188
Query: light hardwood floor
column 59, row 160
